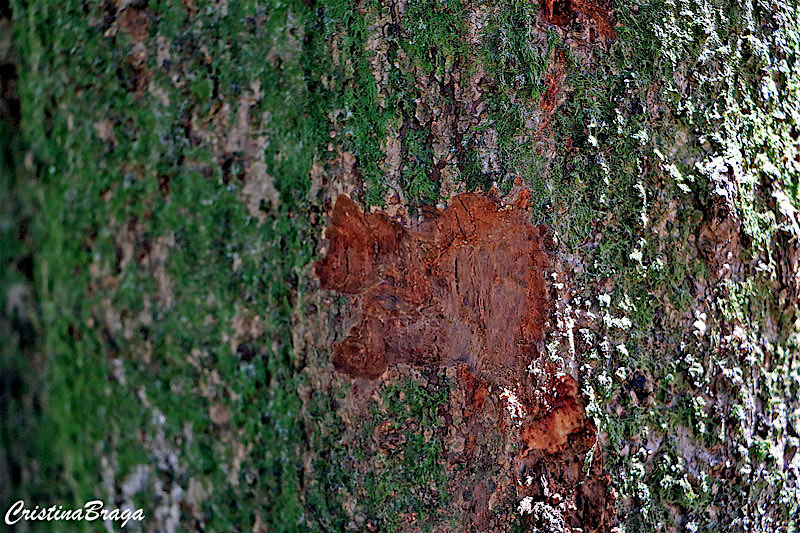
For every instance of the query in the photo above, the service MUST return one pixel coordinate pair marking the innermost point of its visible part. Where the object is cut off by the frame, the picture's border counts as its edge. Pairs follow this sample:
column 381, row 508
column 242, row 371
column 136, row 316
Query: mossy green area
column 390, row 472
column 168, row 242
column 146, row 256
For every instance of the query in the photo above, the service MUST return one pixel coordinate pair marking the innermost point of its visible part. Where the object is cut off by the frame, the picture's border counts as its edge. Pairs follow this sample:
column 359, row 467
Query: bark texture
column 403, row 265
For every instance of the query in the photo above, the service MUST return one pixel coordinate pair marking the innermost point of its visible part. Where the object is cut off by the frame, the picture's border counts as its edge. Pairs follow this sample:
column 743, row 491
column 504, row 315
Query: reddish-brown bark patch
column 474, row 388
column 551, row 465
column 464, row 284
column 564, row 417
column 465, row 288
column 554, row 78
column 563, row 12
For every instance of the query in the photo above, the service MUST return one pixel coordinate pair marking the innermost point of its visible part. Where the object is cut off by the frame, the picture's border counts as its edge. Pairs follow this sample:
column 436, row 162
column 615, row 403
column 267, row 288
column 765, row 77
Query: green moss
column 363, row 121
column 418, row 186
column 514, row 53
column 411, row 478
column 433, row 32
column 153, row 183
column 409, row 400
column 381, row 485
column 619, row 183
column 513, row 49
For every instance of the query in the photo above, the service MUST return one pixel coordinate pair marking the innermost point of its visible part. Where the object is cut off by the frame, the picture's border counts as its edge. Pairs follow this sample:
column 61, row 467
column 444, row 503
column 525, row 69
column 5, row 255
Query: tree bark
column 403, row 265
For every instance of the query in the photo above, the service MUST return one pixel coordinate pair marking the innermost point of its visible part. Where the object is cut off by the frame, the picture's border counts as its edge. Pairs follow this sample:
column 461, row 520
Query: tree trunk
column 413, row 265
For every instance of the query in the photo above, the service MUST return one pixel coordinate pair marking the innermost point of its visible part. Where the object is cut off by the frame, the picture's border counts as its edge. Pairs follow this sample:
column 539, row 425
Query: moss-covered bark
column 174, row 169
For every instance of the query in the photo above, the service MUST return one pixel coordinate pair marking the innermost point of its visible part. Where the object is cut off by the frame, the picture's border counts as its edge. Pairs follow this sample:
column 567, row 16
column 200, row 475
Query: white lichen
column 514, row 407
column 525, row 506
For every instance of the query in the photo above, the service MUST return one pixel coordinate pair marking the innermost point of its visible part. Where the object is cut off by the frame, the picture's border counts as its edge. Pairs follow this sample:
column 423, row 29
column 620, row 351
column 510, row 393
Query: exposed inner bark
column 466, row 286
column 564, row 12
column 565, row 417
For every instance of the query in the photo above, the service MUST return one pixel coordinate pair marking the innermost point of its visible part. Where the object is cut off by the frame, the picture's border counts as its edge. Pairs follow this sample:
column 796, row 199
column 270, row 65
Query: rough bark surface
column 403, row 265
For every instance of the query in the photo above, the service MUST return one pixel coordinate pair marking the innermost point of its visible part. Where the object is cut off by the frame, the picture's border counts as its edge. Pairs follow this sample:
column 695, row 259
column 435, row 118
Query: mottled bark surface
column 402, row 265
